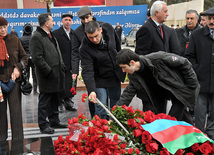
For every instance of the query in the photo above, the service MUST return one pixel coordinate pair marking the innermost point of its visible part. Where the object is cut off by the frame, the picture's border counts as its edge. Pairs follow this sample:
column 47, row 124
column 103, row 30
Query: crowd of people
column 167, row 64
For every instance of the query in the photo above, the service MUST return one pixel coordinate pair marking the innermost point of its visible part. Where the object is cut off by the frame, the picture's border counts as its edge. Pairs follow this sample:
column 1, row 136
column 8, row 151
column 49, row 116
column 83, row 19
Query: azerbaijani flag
column 174, row 135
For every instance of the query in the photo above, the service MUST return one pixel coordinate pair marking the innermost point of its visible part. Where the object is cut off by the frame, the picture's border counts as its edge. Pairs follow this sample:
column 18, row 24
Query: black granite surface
column 31, row 146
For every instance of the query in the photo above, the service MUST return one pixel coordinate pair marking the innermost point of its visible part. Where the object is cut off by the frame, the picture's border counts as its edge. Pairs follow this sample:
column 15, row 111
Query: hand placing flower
column 73, row 90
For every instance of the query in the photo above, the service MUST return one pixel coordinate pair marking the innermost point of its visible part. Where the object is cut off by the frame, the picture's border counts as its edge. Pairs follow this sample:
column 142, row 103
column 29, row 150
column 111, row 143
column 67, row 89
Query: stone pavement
column 30, row 109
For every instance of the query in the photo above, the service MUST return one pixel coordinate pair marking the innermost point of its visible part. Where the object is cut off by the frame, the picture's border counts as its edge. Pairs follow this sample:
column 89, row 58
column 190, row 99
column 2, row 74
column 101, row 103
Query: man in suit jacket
column 64, row 36
column 152, row 38
column 50, row 71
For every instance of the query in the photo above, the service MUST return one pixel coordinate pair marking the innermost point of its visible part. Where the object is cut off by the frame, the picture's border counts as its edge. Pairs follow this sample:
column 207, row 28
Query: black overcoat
column 65, row 45
column 200, row 53
column 47, row 58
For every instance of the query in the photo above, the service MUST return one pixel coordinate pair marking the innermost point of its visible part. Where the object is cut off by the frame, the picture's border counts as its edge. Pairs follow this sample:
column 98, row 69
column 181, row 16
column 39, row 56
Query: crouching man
column 159, row 76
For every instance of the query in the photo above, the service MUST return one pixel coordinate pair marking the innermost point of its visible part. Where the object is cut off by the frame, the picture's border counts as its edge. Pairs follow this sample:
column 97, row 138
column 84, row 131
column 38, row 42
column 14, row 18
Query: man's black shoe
column 69, row 105
column 47, row 130
column 59, row 125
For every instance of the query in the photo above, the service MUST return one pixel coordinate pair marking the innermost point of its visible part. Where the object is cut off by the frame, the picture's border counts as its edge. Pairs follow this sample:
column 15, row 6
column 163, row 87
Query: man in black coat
column 200, row 53
column 184, row 32
column 154, row 36
column 64, row 36
column 85, row 15
column 50, row 71
column 98, row 60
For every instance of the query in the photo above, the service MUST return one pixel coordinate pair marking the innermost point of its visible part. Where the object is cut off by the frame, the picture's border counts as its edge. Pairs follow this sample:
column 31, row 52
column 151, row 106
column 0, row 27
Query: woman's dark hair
column 125, row 56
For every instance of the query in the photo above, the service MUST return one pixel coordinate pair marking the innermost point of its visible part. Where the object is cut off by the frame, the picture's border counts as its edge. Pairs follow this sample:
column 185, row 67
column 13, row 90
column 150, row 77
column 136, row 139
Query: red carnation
column 72, row 89
column 149, row 116
column 130, row 110
column 164, row 151
column 195, row 147
column 130, row 150
column 84, row 96
column 152, row 147
column 132, row 123
column 137, row 151
column 137, row 133
column 81, row 116
column 146, row 137
column 105, row 128
column 189, row 153
column 73, row 120
column 179, row 152
column 205, row 148
column 123, row 146
column 161, row 116
column 74, row 93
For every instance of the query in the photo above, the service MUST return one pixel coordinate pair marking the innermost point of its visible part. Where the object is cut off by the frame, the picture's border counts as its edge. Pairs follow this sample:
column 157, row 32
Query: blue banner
column 129, row 17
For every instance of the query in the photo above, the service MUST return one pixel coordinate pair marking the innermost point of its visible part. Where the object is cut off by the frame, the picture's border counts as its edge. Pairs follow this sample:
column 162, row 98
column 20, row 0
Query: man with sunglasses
column 85, row 15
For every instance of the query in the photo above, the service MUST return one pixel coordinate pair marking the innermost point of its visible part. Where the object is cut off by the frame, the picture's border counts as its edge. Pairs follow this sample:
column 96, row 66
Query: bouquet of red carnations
column 148, row 134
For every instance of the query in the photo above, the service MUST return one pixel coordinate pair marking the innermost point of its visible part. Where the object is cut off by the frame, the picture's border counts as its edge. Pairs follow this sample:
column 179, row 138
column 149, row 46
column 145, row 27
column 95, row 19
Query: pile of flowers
column 101, row 137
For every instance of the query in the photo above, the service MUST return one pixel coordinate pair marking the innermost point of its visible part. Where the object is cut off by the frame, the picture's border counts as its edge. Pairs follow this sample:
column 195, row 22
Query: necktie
column 50, row 35
column 161, row 30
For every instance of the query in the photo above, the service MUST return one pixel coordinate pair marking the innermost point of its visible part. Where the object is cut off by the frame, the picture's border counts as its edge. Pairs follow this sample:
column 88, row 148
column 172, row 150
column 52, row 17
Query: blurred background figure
column 119, row 30
column 203, row 21
column 172, row 26
column 13, row 32
column 25, row 39
column 177, row 26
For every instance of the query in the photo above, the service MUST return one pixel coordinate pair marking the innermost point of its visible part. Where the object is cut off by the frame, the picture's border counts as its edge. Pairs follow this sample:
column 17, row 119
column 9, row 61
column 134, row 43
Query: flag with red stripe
column 174, row 135
column 78, row 2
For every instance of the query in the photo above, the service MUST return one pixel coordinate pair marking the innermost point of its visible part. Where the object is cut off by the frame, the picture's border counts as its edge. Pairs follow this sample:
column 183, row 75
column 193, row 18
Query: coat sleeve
column 173, row 43
column 127, row 95
column 191, row 53
column 75, row 57
column 8, row 87
column 143, row 41
column 87, row 70
column 22, row 57
column 37, row 52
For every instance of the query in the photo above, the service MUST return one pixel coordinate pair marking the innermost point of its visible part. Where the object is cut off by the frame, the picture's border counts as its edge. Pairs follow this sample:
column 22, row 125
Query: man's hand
column 16, row 72
column 74, row 76
column 92, row 97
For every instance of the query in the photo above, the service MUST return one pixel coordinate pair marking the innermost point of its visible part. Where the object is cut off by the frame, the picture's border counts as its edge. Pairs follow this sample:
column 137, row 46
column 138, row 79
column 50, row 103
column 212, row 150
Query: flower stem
column 118, row 122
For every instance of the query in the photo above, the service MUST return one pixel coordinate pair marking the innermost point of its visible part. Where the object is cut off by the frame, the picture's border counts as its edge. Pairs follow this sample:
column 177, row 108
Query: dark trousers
column 48, row 108
column 179, row 111
column 13, row 99
column 205, row 105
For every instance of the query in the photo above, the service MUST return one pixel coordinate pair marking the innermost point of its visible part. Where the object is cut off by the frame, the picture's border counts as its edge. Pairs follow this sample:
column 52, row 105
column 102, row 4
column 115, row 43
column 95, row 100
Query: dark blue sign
column 129, row 17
